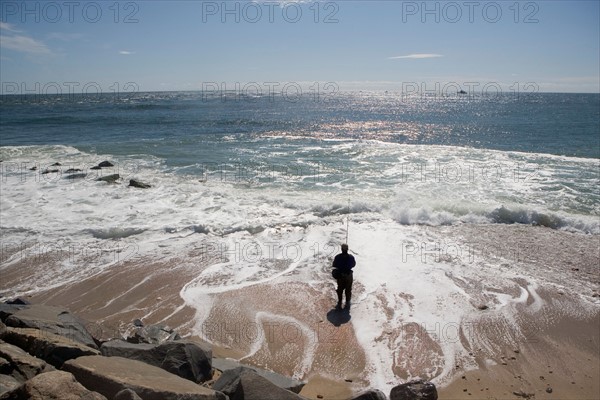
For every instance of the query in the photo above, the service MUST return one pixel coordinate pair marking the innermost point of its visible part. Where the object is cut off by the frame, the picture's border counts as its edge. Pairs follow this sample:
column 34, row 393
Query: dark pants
column 344, row 284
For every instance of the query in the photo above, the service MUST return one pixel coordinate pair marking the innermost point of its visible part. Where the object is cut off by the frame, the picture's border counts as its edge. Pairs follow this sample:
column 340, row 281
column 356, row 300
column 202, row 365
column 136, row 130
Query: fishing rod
column 348, row 227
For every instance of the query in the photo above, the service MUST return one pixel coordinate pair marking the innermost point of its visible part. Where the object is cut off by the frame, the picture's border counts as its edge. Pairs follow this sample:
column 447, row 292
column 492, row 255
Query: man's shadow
column 339, row 316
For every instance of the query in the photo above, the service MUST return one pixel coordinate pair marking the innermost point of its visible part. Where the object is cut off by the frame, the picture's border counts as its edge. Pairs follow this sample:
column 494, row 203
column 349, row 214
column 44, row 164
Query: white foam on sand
column 280, row 232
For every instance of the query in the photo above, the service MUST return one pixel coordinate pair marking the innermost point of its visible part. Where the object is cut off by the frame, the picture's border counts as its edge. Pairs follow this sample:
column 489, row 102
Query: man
column 344, row 263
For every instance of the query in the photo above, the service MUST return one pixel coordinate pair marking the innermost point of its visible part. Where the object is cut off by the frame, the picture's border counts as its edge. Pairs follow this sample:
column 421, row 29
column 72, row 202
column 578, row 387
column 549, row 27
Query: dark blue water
column 170, row 124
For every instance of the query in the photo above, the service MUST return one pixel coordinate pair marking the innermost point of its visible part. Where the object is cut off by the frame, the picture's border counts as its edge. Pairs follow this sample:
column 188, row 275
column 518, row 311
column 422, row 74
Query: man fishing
column 342, row 272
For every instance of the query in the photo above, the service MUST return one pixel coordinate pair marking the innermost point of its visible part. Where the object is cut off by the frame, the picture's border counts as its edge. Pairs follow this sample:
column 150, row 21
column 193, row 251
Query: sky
column 403, row 46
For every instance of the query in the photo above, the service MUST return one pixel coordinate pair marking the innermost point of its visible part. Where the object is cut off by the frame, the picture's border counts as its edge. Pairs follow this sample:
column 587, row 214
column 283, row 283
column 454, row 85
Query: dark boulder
column 5, row 367
column 75, row 176
column 56, row 385
column 105, row 164
column 54, row 320
column 56, row 164
column 96, row 167
column 18, row 301
column 153, row 334
column 109, row 178
column 22, row 366
column 187, row 359
column 370, row 395
column 284, row 382
column 414, row 390
column 110, row 375
column 127, row 394
column 50, row 171
column 53, row 349
column 6, row 310
column 72, row 170
column 8, row 383
column 245, row 384
column 138, row 184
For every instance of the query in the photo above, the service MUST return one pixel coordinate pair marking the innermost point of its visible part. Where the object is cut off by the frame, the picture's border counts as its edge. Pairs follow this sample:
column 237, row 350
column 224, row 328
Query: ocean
column 274, row 185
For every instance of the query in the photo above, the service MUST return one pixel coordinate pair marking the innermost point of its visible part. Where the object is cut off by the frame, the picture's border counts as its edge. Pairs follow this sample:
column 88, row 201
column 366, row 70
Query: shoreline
column 565, row 333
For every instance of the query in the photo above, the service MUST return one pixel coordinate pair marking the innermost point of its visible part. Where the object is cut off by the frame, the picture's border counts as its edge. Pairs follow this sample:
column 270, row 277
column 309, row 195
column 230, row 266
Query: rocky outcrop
column 245, row 384
column 414, row 390
column 138, row 184
column 110, row 375
column 8, row 383
column 53, row 320
column 187, row 359
column 127, row 394
column 105, row 164
column 6, row 310
column 21, row 365
column 109, row 178
column 53, row 349
column 57, row 385
column 75, row 176
column 370, row 395
column 153, row 334
column 284, row 382
column 18, row 301
column 159, row 365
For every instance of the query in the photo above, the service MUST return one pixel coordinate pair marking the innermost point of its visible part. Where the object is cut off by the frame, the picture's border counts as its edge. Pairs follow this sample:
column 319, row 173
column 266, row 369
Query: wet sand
column 549, row 341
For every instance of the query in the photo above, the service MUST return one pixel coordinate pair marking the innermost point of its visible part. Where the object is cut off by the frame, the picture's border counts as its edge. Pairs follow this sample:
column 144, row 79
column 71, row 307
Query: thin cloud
column 416, row 56
column 4, row 26
column 126, row 52
column 23, row 44
column 10, row 39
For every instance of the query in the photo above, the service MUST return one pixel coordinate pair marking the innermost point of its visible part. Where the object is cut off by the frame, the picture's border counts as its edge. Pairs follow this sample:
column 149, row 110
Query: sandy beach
column 546, row 346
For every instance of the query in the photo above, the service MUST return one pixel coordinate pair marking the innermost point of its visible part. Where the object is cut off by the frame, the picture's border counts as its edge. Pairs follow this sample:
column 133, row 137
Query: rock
column 56, row 164
column 75, row 176
column 34, row 168
column 187, row 359
column 2, row 328
column 414, row 390
column 153, row 334
column 138, row 322
column 370, row 395
column 18, row 301
column 6, row 310
column 245, row 384
column 110, row 375
column 8, row 383
column 109, row 178
column 72, row 170
column 548, row 389
column 482, row 307
column 56, row 385
column 4, row 366
column 22, row 365
column 105, row 164
column 49, row 171
column 127, row 394
column 138, row 184
column 53, row 349
column 54, row 320
column 95, row 167
column 524, row 395
column 284, row 382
